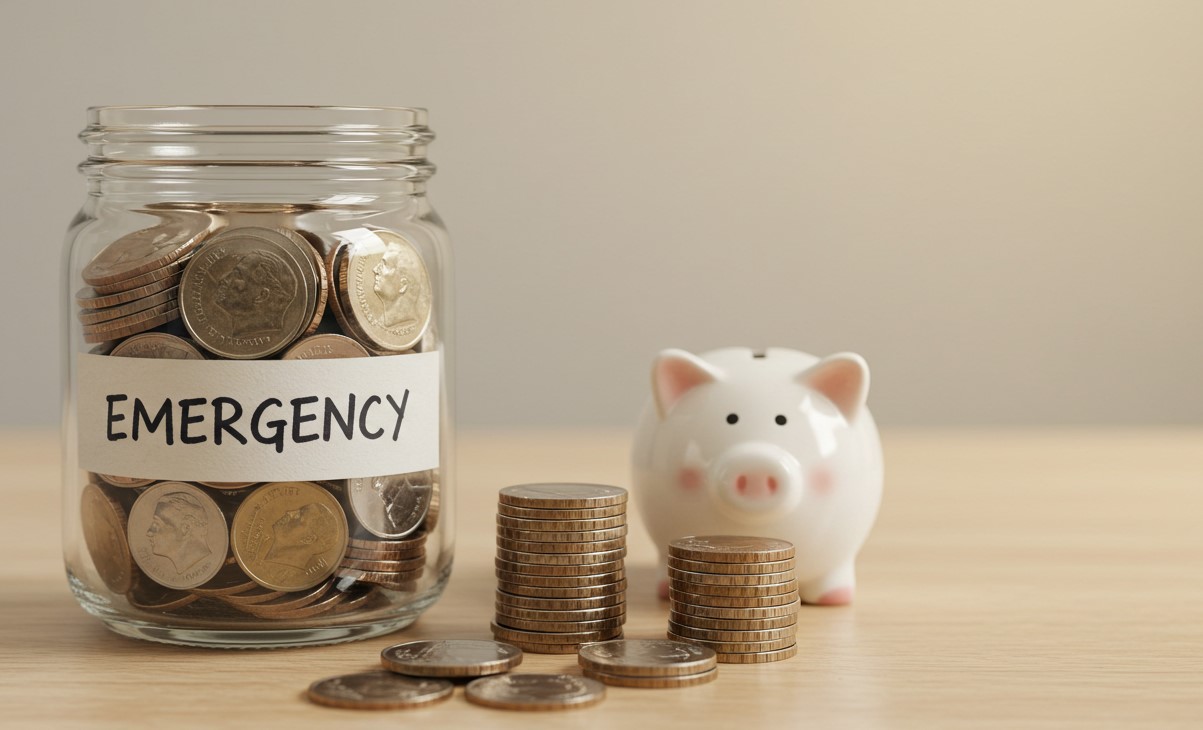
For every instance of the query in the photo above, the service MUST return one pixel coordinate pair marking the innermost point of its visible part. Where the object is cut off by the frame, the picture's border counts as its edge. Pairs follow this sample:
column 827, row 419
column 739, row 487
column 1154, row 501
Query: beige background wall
column 1000, row 204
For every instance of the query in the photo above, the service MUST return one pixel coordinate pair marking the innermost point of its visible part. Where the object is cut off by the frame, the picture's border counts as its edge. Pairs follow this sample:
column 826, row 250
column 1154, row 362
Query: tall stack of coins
column 210, row 282
column 657, row 663
column 735, row 595
column 560, row 551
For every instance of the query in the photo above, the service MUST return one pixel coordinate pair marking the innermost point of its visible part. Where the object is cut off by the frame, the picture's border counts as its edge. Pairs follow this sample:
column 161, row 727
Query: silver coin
column 647, row 657
column 451, row 658
column 535, row 691
column 378, row 690
column 178, row 535
column 391, row 506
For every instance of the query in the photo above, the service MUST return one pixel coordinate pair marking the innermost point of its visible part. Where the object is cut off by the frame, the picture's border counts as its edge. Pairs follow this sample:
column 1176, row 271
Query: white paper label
column 267, row 420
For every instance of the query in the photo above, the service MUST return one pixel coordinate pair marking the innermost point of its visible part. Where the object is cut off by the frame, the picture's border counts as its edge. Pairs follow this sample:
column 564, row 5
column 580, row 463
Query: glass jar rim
column 248, row 117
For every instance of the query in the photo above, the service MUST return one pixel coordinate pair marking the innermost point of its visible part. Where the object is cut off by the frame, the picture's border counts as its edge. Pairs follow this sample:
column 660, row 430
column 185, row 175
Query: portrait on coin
column 179, row 531
column 394, row 283
column 302, row 535
column 398, row 497
column 257, row 293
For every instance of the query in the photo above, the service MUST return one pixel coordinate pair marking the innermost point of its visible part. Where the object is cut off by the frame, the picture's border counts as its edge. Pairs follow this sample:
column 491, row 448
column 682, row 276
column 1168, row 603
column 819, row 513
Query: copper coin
column 324, row 347
column 521, row 624
column 687, row 578
column 409, row 554
column 89, row 298
column 383, row 566
column 734, row 624
column 157, row 320
column 584, row 592
column 535, row 691
column 106, row 314
column 149, row 596
column 178, row 535
column 395, row 581
column 289, row 535
column 571, row 581
column 558, row 570
column 647, row 658
column 229, row 485
column 451, row 658
column 583, row 614
column 532, row 648
column 562, row 558
column 691, row 632
column 600, row 523
column 560, row 604
column 415, row 540
column 323, row 605
column 772, row 589
column 378, row 690
column 323, row 287
column 173, row 271
column 566, row 637
column 698, row 599
column 735, row 613
column 103, row 523
column 730, row 549
column 561, row 548
column 739, row 647
column 562, row 496
column 292, row 601
column 544, row 536
column 159, row 346
column 548, row 513
column 619, row 680
column 698, row 566
column 759, row 657
column 148, row 249
column 125, row 482
column 258, row 594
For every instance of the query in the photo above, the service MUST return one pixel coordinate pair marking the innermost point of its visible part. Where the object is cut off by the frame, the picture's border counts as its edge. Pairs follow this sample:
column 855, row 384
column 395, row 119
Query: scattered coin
column 103, row 523
column 647, row 658
column 535, row 691
column 730, row 549
column 289, row 535
column 451, row 658
column 620, row 680
column 178, row 535
column 378, row 690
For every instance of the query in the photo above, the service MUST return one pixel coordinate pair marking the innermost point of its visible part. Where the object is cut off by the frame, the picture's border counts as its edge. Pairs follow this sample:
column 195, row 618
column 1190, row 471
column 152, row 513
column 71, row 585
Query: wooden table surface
column 1014, row 579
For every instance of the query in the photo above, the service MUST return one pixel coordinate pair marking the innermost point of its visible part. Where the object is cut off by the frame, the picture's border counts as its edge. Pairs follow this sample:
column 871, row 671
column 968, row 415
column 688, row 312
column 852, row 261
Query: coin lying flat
column 571, row 581
column 759, row 657
column 735, row 612
column 178, row 535
column 391, row 507
column 125, row 482
column 522, row 523
column 535, row 691
column 417, row 539
column 561, row 627
column 325, row 347
column 684, row 577
column 699, row 599
column 103, row 522
column 549, row 513
column 289, row 535
column 562, row 536
column 384, row 566
column 504, row 633
column 647, row 658
column 451, row 658
column 409, row 554
column 730, row 549
column 157, row 345
column 560, row 604
column 607, row 556
column 736, row 591
column 698, row 566
column 741, row 623
column 566, row 593
column 580, row 614
column 89, row 298
column 132, row 325
column 621, row 680
column 384, row 291
column 736, row 635
column 562, row 496
column 739, row 647
column 107, row 314
column 589, row 569
column 561, row 548
column 150, row 596
column 148, row 249
column 249, row 292
column 378, row 690
column 172, row 272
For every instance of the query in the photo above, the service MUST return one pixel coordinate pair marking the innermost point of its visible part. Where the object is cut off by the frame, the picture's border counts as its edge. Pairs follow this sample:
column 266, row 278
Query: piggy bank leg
column 834, row 588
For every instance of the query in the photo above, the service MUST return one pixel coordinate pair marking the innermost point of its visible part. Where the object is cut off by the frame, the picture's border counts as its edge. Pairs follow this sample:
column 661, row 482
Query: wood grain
column 1015, row 579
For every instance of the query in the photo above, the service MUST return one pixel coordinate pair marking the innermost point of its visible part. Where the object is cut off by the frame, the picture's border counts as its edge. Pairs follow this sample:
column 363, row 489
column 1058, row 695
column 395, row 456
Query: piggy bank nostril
column 741, row 483
column 772, row 484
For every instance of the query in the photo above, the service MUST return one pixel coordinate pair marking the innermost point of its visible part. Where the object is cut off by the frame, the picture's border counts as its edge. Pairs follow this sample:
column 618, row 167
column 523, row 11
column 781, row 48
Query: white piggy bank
column 775, row 444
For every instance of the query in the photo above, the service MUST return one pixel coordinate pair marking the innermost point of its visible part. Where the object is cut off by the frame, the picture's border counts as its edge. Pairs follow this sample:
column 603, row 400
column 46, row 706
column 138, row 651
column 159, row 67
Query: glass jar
column 257, row 411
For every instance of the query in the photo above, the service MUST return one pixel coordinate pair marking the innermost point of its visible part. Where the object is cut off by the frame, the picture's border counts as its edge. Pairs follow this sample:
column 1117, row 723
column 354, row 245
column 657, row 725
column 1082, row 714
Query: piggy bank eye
column 732, row 418
column 780, row 420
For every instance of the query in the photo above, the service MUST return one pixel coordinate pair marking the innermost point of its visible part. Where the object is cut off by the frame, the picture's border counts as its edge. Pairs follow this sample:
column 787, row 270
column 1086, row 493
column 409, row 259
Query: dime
column 557, row 570
column 758, row 657
column 384, row 289
column 548, row 536
column 561, row 548
column 89, row 298
column 740, row 623
column 249, row 292
column 583, row 592
column 522, row 523
column 289, row 535
column 731, row 613
column 325, row 347
column 619, row 680
column 391, row 506
column 103, row 522
column 582, row 614
column 647, row 658
column 772, row 589
column 691, row 633
column 148, row 249
column 125, row 482
column 562, row 496
column 559, row 627
column 686, row 578
column 562, row 558
column 383, row 566
column 571, row 581
column 730, row 549
column 563, row 604
column 378, row 690
column 178, row 535
column 698, row 566
column 535, row 691
column 106, row 314
column 567, row 637
column 738, row 647
column 159, row 346
column 547, row 513
column 697, row 599
column 451, row 658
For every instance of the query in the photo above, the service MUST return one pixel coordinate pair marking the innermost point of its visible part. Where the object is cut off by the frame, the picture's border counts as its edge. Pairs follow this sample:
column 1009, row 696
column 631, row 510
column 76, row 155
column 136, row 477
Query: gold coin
column 756, row 635
column 178, row 535
column 739, row 647
column 749, row 613
column 548, row 513
column 730, row 549
column 173, row 272
column 125, row 482
column 392, row 506
column 687, row 578
column 559, row 536
column 107, row 314
column 535, row 691
column 157, row 319
column 552, row 581
column 249, row 292
column 159, row 346
column 698, row 566
column 561, row 548
column 565, row 637
column 325, row 347
column 772, row 589
column 516, row 556
column 522, row 523
column 89, row 298
column 384, row 289
column 564, row 571
column 522, row 624
column 103, row 523
column 323, row 286
column 149, row 249
column 378, row 690
column 149, row 596
column 258, row 594
column 582, row 614
column 360, row 554
column 734, row 624
column 395, row 581
column 582, row 592
column 562, row 496
column 533, row 648
column 289, row 535
column 560, row 604
column 646, row 658
column 700, row 599
column 684, row 680
column 415, row 540
column 760, row 657
column 451, row 658
column 383, row 566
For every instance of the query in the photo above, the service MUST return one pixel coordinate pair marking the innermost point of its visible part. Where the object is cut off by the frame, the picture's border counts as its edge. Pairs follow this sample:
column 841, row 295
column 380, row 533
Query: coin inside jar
column 178, row 535
column 148, row 249
column 104, row 525
column 157, row 345
column 535, row 691
column 385, row 297
column 451, row 658
column 289, row 535
column 391, row 506
column 378, row 690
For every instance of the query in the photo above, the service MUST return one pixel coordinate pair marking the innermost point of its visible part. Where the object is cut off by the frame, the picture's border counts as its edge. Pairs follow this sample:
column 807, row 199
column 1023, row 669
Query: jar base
column 253, row 639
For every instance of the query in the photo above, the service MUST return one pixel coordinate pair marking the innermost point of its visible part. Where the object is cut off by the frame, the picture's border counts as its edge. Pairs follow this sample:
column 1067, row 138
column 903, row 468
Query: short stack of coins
column 648, row 663
column 735, row 595
column 560, row 576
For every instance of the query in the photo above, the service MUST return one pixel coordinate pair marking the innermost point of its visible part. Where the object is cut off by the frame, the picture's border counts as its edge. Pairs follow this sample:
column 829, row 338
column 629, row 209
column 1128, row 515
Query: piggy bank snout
column 757, row 479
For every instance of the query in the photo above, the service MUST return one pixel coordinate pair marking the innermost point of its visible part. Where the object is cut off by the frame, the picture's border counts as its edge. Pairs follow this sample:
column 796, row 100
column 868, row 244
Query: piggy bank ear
column 675, row 373
column 843, row 379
